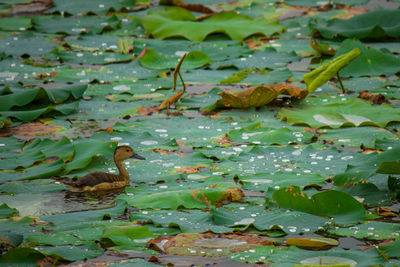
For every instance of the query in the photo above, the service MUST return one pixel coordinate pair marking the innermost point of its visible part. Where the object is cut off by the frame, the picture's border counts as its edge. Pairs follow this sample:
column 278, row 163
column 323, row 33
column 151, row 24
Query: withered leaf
column 170, row 100
column 258, row 96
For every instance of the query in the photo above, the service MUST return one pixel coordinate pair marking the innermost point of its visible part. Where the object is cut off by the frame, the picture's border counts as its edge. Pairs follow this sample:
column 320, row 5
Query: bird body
column 102, row 180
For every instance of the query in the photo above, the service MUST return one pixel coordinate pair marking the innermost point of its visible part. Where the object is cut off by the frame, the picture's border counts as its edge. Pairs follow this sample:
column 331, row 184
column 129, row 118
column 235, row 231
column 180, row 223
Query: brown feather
column 94, row 178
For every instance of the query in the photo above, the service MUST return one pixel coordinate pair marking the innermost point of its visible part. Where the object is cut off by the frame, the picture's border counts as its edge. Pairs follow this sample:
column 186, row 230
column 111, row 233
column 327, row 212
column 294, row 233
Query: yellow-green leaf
column 321, row 75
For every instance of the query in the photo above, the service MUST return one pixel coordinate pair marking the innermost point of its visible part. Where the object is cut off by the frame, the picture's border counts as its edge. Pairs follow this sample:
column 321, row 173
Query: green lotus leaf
column 372, row 230
column 85, row 151
column 176, row 21
column 6, row 211
column 355, row 112
column 15, row 24
column 330, row 203
column 76, row 7
column 391, row 249
column 306, row 3
column 371, row 62
column 75, row 25
column 72, row 253
column 187, row 198
column 294, row 256
column 193, row 60
column 376, row 24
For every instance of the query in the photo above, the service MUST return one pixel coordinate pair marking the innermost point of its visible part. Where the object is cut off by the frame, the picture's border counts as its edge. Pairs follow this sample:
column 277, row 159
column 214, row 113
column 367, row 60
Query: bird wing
column 95, row 178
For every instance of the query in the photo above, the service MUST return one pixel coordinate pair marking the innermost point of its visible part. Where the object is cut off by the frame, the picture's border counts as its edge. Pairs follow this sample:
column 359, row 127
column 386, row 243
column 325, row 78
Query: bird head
column 126, row 152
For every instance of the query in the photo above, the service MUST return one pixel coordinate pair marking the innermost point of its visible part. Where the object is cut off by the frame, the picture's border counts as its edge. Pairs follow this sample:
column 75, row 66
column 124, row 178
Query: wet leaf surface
column 279, row 170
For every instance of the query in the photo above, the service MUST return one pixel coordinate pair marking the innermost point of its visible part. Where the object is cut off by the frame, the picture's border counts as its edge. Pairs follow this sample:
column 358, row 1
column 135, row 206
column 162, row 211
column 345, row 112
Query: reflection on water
column 37, row 204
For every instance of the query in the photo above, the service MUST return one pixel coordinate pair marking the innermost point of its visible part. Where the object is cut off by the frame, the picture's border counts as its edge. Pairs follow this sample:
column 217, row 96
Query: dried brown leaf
column 259, row 96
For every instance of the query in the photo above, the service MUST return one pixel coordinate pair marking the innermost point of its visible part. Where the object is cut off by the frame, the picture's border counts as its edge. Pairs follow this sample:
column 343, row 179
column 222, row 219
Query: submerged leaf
column 321, row 75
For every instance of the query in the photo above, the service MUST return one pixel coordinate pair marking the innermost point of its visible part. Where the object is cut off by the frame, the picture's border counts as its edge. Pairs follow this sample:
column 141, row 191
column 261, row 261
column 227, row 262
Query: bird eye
column 127, row 150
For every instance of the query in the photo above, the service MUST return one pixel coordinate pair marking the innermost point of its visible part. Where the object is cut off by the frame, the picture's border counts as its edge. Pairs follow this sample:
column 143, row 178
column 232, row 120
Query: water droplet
column 149, row 142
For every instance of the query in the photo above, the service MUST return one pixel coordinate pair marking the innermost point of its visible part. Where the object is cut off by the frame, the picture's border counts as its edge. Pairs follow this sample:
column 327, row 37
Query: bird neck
column 123, row 173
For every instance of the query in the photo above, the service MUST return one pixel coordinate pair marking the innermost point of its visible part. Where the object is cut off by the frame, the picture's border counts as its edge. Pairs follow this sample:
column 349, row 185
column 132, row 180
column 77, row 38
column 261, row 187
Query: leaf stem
column 340, row 83
column 183, row 83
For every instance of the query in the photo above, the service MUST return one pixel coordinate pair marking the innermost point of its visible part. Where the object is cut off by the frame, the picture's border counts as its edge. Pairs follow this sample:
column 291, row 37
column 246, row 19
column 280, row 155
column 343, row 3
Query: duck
column 102, row 180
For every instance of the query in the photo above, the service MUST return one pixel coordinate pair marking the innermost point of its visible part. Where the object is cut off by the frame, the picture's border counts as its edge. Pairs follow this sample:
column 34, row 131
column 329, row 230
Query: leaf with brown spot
column 200, row 197
column 191, row 7
column 196, row 244
column 350, row 12
column 191, row 169
column 31, row 129
column 28, row 8
column 256, row 96
column 374, row 98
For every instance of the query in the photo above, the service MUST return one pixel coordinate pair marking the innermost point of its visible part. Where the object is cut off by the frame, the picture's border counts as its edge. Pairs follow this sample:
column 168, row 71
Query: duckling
column 101, row 180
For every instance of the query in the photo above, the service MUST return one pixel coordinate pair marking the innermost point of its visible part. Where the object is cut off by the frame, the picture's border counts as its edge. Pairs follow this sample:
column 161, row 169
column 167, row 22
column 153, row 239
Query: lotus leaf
column 128, row 236
column 76, row 7
column 187, row 198
column 340, row 205
column 391, row 249
column 370, row 230
column 75, row 26
column 6, row 211
column 290, row 222
column 72, row 253
column 176, row 21
column 15, row 24
column 319, row 3
column 21, row 257
column 376, row 24
column 371, row 62
column 294, row 256
column 355, row 112
column 193, row 60
column 256, row 96
column 190, row 221
column 312, row 242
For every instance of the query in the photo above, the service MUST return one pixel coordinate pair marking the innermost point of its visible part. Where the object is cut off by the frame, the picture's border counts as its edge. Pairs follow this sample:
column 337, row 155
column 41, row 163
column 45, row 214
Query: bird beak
column 136, row 156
